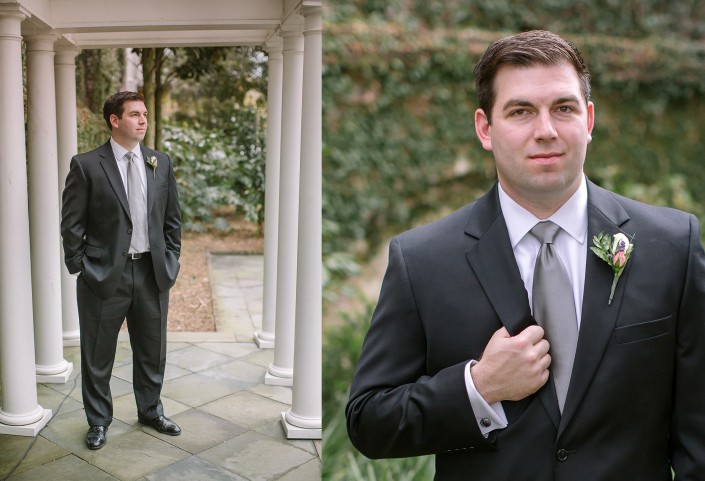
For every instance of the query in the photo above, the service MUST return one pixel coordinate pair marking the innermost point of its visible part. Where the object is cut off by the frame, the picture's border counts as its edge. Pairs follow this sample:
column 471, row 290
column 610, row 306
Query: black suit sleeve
column 73, row 216
column 687, row 437
column 172, row 217
column 396, row 407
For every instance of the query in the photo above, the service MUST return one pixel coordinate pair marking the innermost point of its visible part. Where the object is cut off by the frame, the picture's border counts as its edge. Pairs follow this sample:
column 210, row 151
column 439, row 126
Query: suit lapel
column 598, row 319
column 151, row 179
column 493, row 262
column 109, row 164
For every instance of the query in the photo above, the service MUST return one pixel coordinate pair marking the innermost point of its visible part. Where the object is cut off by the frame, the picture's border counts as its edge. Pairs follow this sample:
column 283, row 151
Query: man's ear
column 483, row 129
column 591, row 119
column 114, row 120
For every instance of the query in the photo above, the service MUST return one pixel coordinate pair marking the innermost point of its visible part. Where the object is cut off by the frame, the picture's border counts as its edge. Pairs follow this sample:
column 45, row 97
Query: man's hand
column 512, row 368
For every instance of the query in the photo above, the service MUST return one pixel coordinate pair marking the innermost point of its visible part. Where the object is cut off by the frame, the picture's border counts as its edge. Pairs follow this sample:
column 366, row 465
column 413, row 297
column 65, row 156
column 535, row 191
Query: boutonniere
column 615, row 250
column 152, row 161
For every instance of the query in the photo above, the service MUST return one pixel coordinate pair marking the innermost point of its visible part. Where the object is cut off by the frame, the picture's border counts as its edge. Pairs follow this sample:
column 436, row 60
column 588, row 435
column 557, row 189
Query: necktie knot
column 545, row 231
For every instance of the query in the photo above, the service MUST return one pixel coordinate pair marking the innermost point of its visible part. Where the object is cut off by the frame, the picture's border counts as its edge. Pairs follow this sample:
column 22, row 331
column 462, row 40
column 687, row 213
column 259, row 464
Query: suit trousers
column 138, row 300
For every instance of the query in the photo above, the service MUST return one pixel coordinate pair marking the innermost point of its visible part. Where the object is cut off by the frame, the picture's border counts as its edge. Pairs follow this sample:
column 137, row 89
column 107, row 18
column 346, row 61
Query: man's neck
column 543, row 206
column 125, row 144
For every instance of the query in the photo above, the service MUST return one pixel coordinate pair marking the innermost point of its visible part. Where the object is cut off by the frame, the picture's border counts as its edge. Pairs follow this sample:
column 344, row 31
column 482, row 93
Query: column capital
column 42, row 42
column 310, row 8
column 13, row 11
column 293, row 25
column 11, row 16
column 66, row 52
column 274, row 46
column 293, row 38
column 313, row 19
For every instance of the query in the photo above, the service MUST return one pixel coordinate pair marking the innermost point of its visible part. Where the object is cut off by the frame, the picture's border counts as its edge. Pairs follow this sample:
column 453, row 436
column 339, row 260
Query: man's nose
column 545, row 130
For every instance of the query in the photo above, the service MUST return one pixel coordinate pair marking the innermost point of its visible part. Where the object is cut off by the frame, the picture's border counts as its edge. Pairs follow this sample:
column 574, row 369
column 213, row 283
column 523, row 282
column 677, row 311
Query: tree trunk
column 149, row 91
column 158, row 97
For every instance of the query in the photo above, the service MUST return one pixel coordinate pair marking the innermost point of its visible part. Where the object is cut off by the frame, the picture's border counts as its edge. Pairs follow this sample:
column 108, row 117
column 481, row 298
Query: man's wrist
column 481, row 385
column 489, row 417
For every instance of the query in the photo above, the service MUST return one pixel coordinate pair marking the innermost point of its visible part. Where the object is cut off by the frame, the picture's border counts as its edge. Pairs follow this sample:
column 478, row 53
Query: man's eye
column 519, row 112
column 566, row 109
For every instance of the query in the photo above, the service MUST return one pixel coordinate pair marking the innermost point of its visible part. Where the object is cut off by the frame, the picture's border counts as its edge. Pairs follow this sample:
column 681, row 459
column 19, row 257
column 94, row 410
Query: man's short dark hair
column 115, row 105
column 528, row 49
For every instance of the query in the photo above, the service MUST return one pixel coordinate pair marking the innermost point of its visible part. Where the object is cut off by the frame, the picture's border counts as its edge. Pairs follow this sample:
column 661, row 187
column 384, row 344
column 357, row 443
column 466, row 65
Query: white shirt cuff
column 488, row 416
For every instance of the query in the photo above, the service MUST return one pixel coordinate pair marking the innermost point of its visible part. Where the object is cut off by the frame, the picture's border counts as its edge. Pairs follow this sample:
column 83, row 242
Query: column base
column 279, row 376
column 59, row 378
column 28, row 429
column 295, row 432
column 272, row 380
column 72, row 339
column 264, row 340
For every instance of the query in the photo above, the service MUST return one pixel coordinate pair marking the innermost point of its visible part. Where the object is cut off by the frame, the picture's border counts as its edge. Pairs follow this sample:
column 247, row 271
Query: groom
column 121, row 229
column 476, row 355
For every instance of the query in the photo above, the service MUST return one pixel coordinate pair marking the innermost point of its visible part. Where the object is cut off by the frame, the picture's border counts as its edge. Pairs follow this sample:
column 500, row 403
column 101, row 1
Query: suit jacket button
column 124, row 253
column 486, row 422
column 562, row 455
column 129, row 231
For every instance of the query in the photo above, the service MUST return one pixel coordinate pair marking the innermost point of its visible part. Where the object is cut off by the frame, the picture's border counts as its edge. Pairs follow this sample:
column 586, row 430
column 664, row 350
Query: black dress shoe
column 162, row 424
column 96, row 437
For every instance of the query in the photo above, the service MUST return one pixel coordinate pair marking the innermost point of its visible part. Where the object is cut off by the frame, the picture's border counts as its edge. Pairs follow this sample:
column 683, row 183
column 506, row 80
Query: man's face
column 539, row 133
column 130, row 129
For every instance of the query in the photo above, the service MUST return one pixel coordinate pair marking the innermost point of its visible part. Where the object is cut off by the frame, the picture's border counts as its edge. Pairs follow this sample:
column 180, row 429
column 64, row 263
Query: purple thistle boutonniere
column 615, row 250
column 152, row 161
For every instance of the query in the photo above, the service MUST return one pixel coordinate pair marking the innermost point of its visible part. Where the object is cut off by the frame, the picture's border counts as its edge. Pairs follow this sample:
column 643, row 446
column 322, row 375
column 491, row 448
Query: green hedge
column 399, row 135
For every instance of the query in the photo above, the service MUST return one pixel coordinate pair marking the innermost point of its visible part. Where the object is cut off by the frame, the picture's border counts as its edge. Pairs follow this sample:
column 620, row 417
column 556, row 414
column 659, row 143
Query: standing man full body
column 121, row 229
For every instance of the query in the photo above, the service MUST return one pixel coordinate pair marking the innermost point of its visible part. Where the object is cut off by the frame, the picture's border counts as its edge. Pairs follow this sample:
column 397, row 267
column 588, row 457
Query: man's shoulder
column 93, row 155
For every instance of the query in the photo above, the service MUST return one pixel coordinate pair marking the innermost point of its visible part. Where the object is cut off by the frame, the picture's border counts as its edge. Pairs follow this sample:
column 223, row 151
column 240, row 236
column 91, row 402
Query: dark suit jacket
column 96, row 226
column 636, row 402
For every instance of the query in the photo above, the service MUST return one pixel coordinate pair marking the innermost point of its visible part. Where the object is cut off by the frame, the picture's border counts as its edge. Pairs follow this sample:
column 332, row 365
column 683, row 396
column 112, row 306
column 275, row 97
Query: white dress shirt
column 569, row 244
column 122, row 163
column 119, row 152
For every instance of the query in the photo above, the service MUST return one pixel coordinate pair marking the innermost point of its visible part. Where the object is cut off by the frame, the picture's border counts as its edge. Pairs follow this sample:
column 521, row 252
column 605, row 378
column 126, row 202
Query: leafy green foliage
column 219, row 168
column 98, row 74
column 636, row 18
column 92, row 131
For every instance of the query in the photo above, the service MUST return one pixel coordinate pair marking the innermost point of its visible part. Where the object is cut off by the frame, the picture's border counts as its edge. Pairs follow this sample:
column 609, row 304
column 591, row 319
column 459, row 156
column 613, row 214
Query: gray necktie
column 138, row 205
column 554, row 307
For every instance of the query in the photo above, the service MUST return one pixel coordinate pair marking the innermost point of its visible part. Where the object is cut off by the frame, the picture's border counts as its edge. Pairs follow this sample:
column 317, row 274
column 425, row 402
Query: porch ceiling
column 157, row 23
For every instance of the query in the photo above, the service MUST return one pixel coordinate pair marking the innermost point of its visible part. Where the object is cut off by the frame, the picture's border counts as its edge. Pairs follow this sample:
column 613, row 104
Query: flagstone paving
column 214, row 389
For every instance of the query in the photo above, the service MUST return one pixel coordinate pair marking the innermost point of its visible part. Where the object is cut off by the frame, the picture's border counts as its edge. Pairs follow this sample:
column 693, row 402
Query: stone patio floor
column 214, row 389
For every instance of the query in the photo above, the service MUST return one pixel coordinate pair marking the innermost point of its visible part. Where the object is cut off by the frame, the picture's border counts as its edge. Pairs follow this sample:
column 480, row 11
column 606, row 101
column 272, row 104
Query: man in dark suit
column 454, row 363
column 121, row 229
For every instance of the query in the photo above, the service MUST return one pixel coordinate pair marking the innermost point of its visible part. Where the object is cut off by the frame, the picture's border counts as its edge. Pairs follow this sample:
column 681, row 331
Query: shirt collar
column 571, row 217
column 120, row 151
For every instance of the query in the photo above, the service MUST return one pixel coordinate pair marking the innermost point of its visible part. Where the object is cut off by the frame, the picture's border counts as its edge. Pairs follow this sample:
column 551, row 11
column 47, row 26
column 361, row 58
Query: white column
column 20, row 414
column 303, row 420
column 45, row 237
column 281, row 371
column 67, row 136
column 265, row 336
